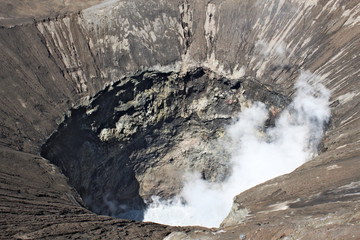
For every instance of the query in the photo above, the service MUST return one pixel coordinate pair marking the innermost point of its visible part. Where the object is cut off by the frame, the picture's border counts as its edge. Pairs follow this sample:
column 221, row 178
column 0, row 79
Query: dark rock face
column 75, row 62
column 113, row 147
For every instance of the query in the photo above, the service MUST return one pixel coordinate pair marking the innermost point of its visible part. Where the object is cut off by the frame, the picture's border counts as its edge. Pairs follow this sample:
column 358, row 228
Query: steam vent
column 180, row 119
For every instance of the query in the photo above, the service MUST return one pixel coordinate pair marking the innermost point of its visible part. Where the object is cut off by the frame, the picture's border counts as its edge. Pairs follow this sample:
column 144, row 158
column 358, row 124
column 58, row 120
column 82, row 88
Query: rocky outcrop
column 68, row 62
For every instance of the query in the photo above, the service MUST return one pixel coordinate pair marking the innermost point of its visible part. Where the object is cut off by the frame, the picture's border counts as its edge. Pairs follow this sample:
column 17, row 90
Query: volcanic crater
column 106, row 104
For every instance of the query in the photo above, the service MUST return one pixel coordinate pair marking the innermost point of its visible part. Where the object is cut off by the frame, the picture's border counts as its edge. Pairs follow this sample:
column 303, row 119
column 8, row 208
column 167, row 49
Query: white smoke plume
column 257, row 155
column 265, row 49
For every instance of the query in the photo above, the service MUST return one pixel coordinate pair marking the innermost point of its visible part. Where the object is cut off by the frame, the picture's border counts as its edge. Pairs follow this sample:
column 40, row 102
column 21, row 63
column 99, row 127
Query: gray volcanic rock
column 17, row 12
column 53, row 69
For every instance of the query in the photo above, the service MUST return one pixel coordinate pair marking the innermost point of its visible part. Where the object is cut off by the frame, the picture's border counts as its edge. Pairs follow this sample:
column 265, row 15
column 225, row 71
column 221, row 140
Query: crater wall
column 54, row 64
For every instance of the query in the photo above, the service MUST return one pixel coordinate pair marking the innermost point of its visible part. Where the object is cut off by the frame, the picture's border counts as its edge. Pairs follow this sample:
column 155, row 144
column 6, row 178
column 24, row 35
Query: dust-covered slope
column 49, row 66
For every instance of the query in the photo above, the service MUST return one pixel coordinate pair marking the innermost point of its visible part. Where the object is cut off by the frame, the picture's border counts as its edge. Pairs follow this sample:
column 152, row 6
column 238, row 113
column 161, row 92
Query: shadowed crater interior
column 135, row 138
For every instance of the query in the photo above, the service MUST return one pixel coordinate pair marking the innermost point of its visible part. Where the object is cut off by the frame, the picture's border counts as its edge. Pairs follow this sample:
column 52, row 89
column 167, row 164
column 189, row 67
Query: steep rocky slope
column 16, row 12
column 52, row 65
